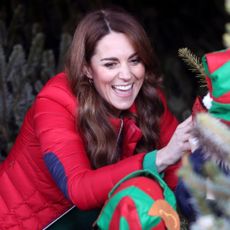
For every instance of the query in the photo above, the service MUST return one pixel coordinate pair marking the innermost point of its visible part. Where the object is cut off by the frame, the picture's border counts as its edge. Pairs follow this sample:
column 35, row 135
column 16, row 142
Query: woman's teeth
column 122, row 87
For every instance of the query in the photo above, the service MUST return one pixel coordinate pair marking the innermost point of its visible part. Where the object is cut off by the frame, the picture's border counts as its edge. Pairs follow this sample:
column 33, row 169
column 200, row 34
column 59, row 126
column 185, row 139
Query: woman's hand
column 177, row 146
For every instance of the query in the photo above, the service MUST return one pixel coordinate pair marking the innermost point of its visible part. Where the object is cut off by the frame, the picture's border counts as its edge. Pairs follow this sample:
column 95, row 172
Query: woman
column 102, row 119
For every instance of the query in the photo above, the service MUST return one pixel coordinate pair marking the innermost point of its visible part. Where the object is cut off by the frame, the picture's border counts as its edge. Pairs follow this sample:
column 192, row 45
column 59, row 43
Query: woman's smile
column 123, row 90
column 117, row 71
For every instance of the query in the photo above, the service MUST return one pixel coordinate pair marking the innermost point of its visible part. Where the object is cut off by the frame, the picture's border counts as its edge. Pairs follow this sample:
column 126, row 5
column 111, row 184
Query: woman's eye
column 110, row 65
column 135, row 61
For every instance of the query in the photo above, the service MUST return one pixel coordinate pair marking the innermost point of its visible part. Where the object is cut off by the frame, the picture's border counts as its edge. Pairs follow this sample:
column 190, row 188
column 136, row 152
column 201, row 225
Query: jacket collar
column 131, row 133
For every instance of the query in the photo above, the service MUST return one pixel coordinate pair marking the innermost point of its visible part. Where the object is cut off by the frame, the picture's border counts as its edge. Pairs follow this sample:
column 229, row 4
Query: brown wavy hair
column 93, row 112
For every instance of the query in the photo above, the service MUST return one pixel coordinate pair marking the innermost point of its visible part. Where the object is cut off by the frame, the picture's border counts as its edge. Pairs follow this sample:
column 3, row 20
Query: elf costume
column 217, row 104
column 217, row 69
column 134, row 203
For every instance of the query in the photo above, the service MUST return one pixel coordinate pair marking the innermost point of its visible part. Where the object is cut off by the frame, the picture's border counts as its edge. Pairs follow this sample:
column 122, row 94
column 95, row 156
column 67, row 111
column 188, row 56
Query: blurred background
column 34, row 36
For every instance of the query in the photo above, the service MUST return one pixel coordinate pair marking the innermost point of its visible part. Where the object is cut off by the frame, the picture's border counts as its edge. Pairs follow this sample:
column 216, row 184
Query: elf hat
column 217, row 69
column 133, row 204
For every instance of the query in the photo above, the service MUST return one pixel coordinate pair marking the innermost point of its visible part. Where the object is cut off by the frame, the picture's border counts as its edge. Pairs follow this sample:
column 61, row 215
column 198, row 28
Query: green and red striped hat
column 134, row 205
column 217, row 68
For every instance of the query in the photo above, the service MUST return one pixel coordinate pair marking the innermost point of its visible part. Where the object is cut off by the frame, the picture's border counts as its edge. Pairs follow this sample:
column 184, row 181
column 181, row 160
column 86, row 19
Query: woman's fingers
column 186, row 122
column 187, row 146
column 186, row 126
column 179, row 142
column 185, row 137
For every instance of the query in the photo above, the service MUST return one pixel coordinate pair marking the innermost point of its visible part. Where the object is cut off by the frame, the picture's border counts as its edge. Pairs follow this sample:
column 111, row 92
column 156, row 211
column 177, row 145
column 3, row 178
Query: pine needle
column 195, row 64
column 214, row 137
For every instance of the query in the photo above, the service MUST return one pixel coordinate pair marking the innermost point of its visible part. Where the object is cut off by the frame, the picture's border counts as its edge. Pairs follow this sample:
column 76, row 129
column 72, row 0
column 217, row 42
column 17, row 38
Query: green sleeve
column 149, row 162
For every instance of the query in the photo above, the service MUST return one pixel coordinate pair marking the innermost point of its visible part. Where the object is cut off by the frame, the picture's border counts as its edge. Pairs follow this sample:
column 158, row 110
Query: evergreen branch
column 16, row 73
column 48, row 65
column 3, row 117
column 15, row 64
column 214, row 137
column 220, row 192
column 2, row 65
column 196, row 185
column 195, row 64
column 64, row 45
column 35, row 54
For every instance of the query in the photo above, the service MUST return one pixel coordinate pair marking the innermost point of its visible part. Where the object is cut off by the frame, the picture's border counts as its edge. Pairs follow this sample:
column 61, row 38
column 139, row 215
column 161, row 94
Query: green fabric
column 221, row 111
column 149, row 161
column 143, row 206
column 205, row 64
column 148, row 173
column 135, row 194
column 124, row 223
column 220, row 78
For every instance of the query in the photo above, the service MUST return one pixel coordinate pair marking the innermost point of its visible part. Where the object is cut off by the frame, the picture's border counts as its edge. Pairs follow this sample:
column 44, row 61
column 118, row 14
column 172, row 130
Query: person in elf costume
column 216, row 102
column 208, row 145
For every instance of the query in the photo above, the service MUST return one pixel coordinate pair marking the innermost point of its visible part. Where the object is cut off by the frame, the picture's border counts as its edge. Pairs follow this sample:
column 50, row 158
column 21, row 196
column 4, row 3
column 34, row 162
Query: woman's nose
column 125, row 73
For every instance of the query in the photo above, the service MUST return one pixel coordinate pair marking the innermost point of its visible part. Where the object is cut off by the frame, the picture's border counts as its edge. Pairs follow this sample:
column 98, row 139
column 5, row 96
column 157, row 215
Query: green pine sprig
column 194, row 63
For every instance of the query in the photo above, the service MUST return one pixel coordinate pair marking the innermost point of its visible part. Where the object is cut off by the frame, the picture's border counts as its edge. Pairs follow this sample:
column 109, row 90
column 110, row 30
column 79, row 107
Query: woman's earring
column 90, row 81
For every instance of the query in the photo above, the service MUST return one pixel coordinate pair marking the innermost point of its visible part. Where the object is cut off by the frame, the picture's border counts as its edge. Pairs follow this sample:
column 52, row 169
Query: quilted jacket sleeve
column 64, row 153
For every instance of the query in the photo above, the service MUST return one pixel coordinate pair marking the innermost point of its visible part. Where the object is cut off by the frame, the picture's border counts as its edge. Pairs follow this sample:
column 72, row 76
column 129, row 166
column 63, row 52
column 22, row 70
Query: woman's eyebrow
column 133, row 55
column 115, row 59
column 109, row 59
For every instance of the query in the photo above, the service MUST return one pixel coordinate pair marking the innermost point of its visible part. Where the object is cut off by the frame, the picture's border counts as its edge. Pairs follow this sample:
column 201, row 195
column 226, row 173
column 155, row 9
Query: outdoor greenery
column 23, row 73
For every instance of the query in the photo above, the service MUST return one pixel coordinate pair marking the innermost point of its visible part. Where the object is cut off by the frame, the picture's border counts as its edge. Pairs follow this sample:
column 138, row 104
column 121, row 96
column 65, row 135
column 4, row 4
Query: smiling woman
column 103, row 119
column 117, row 71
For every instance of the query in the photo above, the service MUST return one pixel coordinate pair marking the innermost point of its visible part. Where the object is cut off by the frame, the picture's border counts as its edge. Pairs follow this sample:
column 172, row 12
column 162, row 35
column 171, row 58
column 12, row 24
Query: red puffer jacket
column 48, row 169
